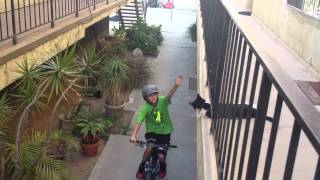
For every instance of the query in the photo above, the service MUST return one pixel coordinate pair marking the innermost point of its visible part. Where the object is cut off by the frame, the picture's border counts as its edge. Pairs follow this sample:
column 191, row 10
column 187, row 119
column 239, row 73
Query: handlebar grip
column 173, row 146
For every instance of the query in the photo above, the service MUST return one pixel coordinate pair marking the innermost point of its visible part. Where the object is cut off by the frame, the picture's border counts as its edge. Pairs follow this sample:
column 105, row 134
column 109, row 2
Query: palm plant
column 36, row 161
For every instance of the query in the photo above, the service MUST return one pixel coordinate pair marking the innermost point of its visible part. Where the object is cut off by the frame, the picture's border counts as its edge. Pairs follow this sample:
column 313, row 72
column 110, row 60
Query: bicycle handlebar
column 143, row 143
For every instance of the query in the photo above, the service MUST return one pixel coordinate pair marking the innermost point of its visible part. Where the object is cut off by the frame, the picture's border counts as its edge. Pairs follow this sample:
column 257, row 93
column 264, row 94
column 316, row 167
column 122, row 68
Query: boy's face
column 152, row 98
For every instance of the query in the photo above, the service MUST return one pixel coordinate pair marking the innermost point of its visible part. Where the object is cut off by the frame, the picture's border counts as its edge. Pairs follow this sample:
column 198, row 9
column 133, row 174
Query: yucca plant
column 56, row 77
column 114, row 77
column 36, row 161
column 5, row 111
column 90, row 62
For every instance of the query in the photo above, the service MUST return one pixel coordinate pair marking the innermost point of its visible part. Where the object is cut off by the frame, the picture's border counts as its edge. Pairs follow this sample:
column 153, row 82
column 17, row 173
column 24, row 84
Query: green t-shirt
column 157, row 118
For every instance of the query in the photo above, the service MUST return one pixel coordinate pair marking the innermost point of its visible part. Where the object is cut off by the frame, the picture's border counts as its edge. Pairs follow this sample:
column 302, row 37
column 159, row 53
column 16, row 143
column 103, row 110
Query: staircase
column 130, row 13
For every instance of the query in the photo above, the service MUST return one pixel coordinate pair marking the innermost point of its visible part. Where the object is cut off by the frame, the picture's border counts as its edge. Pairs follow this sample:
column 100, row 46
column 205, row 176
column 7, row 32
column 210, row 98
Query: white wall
column 298, row 30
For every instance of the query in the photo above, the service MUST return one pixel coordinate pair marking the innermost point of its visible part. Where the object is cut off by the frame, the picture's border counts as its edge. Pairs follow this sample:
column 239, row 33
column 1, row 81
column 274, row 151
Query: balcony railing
column 237, row 75
column 19, row 16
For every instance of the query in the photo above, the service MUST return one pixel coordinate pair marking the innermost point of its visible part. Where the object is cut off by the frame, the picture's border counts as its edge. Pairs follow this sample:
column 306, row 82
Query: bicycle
column 152, row 166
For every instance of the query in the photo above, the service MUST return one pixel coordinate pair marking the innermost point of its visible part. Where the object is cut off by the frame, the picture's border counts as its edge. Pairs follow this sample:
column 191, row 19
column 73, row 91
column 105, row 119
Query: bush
column 142, row 36
column 192, row 29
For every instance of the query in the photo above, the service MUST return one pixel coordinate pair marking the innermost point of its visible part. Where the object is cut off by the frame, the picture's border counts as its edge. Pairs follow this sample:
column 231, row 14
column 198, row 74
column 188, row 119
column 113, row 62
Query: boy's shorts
column 159, row 139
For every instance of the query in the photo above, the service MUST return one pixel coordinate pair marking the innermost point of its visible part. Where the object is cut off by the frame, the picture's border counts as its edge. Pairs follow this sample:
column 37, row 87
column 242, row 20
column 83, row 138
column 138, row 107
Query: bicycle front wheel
column 149, row 176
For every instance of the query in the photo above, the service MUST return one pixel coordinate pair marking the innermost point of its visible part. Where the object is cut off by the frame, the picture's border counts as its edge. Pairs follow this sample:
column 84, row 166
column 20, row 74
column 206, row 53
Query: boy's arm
column 134, row 133
column 177, row 83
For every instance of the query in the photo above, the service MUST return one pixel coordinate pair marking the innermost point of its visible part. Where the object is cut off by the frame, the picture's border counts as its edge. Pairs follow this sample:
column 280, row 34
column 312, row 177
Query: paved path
column 120, row 159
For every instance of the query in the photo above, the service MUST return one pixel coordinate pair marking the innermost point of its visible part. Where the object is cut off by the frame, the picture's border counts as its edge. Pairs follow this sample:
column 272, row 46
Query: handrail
column 231, row 51
column 28, row 15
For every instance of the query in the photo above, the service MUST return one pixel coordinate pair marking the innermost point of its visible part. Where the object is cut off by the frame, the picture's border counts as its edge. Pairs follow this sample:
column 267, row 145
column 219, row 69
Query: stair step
column 129, row 21
column 131, row 13
column 129, row 16
column 126, row 9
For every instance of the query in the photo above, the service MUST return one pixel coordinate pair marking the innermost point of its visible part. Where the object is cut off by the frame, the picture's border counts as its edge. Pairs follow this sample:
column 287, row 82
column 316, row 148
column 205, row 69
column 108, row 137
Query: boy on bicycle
column 157, row 122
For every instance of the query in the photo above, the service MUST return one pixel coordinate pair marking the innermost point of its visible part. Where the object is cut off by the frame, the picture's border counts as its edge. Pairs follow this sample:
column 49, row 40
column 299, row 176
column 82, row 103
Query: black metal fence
column 238, row 78
column 18, row 16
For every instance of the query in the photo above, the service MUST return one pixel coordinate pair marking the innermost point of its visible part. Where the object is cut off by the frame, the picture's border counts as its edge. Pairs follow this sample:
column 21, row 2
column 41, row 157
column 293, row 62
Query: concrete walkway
column 119, row 159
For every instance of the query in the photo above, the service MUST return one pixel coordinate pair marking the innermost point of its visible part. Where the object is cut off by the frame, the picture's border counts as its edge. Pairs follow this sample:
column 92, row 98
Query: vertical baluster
column 25, row 14
column 39, row 11
column 48, row 10
column 44, row 12
column 19, row 15
column 317, row 173
column 51, row 12
column 234, row 109
column 273, row 136
column 293, row 147
column 7, row 21
column 241, row 114
column 248, row 114
column 258, row 128
column 1, row 33
column 229, row 99
column 77, row 8
column 30, row 14
column 34, row 13
column 14, row 37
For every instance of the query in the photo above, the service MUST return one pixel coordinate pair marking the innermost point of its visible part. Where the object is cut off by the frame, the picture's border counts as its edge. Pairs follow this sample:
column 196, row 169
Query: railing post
column 51, row 9
column 258, row 128
column 94, row 4
column 14, row 37
column 77, row 8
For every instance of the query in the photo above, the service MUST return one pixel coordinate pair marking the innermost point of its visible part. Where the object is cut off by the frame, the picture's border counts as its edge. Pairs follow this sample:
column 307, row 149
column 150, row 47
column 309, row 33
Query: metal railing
column 235, row 73
column 19, row 16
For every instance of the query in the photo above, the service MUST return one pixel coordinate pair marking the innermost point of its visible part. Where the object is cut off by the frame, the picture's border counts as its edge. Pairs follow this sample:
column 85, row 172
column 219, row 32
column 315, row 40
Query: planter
column 115, row 111
column 66, row 125
column 152, row 54
column 90, row 150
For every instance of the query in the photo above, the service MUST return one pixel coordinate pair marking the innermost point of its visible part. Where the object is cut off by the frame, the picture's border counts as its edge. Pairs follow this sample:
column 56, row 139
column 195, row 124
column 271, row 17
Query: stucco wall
column 299, row 31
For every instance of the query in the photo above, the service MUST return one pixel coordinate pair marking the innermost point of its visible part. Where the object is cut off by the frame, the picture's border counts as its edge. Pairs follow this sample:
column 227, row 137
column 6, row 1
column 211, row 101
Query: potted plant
column 89, row 128
column 115, row 77
column 67, row 120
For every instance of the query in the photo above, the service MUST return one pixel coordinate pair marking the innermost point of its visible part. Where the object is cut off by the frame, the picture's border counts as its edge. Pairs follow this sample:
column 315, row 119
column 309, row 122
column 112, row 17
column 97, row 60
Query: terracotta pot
column 90, row 150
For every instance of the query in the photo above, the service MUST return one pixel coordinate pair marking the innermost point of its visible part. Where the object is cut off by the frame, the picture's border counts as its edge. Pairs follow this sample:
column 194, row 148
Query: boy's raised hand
column 179, row 80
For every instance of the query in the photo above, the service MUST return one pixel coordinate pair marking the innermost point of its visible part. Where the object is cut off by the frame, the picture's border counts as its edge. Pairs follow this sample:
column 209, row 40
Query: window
column 310, row 7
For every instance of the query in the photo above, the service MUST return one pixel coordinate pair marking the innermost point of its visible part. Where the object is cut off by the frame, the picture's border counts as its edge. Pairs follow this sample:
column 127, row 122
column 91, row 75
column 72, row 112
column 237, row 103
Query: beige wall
column 299, row 31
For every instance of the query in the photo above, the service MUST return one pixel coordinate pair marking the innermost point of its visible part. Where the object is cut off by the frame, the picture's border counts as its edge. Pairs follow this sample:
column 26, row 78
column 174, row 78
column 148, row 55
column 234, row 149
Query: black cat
column 200, row 103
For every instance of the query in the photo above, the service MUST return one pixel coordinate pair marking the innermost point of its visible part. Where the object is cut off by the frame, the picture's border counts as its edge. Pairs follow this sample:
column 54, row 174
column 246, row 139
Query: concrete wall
column 299, row 31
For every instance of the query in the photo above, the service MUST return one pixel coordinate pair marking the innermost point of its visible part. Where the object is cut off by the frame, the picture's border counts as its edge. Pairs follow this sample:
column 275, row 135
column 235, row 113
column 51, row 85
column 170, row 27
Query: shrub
column 142, row 36
column 192, row 29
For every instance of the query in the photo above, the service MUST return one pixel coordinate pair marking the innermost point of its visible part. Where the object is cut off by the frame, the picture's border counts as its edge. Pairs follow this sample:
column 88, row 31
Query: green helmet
column 149, row 89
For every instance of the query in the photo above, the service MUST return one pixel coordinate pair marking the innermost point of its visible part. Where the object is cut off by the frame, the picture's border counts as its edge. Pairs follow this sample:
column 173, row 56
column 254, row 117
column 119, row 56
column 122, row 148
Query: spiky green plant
column 58, row 77
column 89, row 63
column 114, row 75
column 5, row 111
column 36, row 161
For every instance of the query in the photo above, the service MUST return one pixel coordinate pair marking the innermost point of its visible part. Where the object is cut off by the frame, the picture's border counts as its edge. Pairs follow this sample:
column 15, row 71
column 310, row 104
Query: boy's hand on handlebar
column 133, row 139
